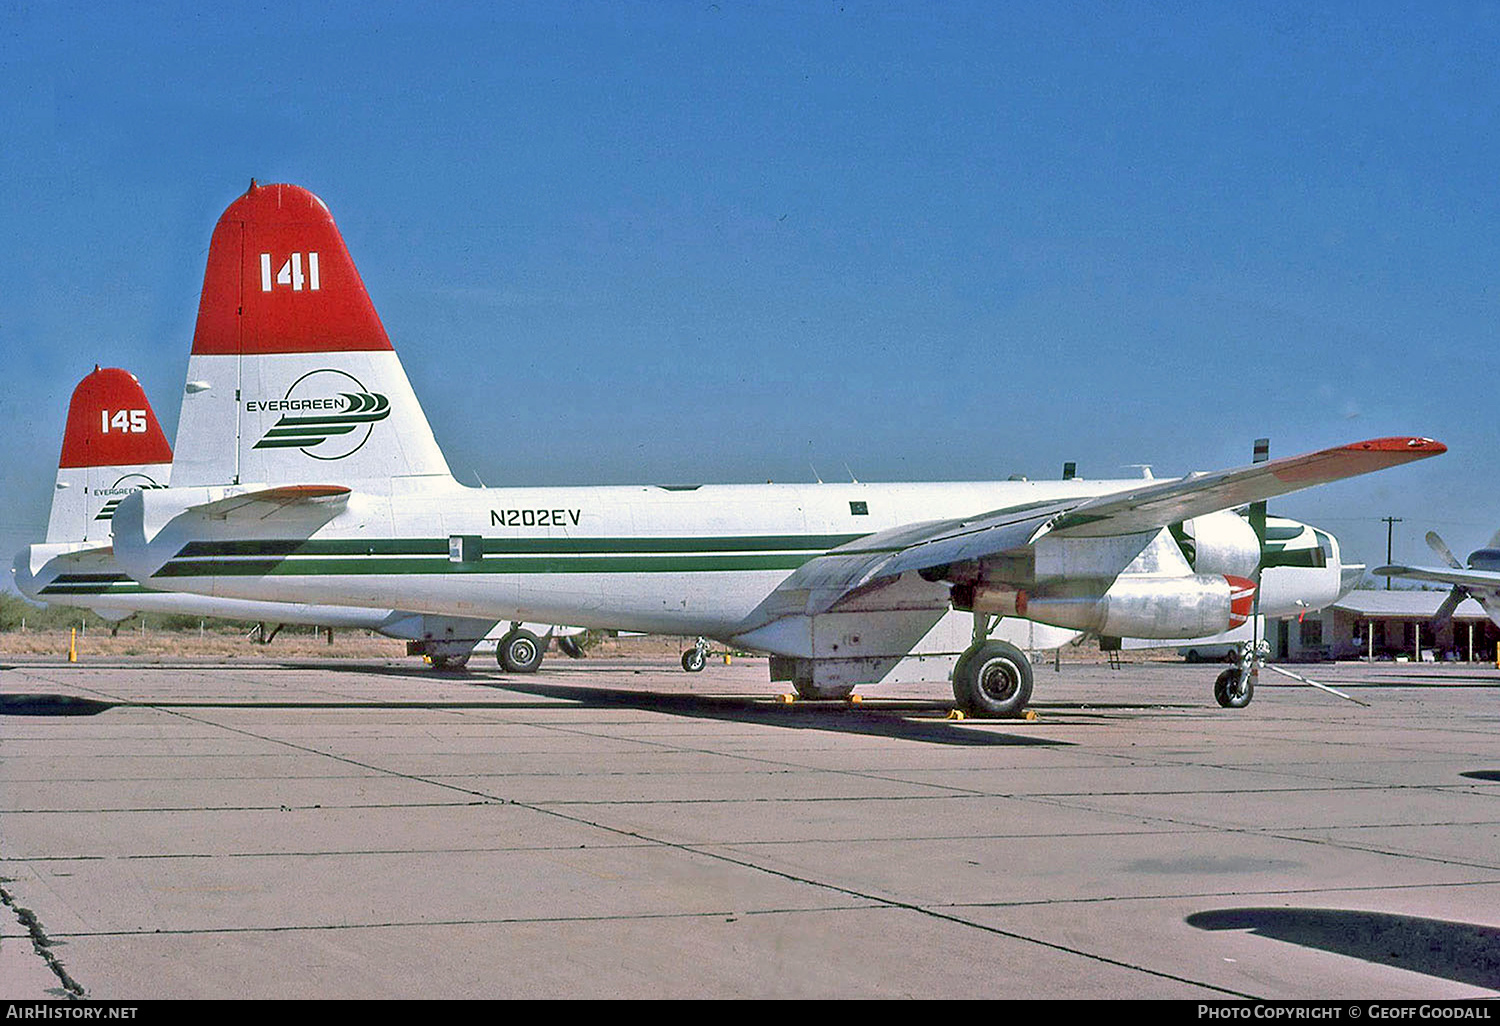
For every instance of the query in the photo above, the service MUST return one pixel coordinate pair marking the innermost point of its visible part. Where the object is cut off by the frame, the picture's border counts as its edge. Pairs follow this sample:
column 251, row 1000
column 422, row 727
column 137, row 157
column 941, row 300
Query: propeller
column 1256, row 513
column 1437, row 545
column 1257, row 516
column 1459, row 593
column 1258, row 525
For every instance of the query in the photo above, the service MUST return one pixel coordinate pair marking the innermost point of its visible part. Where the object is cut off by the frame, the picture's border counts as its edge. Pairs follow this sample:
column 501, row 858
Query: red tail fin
column 110, row 423
column 280, row 280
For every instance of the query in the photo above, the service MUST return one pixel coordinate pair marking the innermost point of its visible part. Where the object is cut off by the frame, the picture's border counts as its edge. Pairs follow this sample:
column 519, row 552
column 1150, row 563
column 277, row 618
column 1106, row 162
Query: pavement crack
column 42, row 944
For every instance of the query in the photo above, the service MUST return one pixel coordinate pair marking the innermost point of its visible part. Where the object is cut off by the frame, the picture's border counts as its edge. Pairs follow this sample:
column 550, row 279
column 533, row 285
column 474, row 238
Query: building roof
column 1417, row 605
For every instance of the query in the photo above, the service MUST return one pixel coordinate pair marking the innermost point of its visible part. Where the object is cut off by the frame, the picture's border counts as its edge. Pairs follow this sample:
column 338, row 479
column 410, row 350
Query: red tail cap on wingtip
column 110, row 424
column 280, row 280
column 1403, row 443
column 1353, row 459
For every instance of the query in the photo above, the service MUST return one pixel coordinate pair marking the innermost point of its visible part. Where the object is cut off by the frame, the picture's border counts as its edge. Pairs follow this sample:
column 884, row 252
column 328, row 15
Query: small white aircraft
column 1479, row 578
column 112, row 446
column 306, row 471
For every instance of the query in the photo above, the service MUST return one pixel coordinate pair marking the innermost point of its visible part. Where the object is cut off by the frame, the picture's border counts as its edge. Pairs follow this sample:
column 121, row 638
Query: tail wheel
column 519, row 651
column 992, row 679
column 1232, row 690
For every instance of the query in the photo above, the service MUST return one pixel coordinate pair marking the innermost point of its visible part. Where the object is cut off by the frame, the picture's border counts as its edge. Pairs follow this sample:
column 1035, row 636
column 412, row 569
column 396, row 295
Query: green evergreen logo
column 315, row 414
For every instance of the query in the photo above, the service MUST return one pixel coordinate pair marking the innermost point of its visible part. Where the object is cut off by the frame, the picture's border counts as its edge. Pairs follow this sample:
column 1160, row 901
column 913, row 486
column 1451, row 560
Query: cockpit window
column 1283, row 532
column 1325, row 545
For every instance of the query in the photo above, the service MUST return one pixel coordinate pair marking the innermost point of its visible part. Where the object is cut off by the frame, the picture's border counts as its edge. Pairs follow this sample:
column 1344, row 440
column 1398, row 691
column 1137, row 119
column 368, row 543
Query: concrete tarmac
column 618, row 828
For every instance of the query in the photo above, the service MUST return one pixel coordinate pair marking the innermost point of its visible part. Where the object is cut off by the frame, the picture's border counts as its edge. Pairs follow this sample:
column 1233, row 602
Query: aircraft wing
column 1158, row 504
column 1487, row 579
column 839, row 577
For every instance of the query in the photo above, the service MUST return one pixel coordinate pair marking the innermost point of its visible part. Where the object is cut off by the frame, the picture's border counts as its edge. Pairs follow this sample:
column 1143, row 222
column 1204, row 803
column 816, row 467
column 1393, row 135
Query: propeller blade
column 1436, row 545
column 1445, row 611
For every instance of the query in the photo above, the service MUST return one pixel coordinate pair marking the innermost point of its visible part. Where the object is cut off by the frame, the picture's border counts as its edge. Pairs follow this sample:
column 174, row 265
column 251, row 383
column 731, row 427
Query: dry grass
column 209, row 645
column 302, row 643
column 292, row 642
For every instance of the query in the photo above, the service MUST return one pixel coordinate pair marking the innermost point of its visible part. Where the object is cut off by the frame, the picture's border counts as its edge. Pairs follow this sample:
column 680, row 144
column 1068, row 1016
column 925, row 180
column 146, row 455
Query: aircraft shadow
column 830, row 716
column 1482, row 774
column 51, row 705
column 887, row 721
column 1462, row 952
column 69, row 705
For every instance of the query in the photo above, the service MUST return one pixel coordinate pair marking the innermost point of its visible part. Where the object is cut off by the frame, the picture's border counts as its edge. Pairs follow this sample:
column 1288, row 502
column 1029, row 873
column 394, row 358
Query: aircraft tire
column 992, row 680
column 519, row 651
column 457, row 662
column 1227, row 695
column 570, row 647
column 693, row 660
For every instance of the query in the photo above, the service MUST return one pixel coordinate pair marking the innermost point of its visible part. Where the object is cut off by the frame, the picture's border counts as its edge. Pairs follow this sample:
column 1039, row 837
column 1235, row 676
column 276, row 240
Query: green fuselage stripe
column 364, row 565
column 278, row 547
column 94, row 589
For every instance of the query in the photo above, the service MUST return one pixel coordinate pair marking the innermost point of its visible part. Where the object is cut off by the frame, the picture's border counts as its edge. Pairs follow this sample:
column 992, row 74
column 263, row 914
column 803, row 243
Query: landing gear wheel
column 1232, row 690
column 519, row 651
column 693, row 660
column 992, row 679
column 570, row 647
column 457, row 662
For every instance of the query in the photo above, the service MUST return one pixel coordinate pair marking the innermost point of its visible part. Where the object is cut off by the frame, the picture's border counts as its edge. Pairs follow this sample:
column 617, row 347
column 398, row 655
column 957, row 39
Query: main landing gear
column 519, row 651
column 992, row 678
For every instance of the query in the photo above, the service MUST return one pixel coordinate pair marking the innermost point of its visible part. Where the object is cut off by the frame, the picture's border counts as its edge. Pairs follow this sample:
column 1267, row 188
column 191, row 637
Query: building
column 1390, row 624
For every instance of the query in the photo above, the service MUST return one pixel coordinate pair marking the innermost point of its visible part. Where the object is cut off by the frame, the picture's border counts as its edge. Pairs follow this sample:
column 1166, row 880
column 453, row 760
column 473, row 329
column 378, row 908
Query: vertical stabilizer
column 292, row 378
column 112, row 446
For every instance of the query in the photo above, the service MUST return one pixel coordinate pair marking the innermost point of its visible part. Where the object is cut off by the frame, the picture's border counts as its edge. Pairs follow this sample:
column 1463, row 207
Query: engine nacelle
column 1219, row 543
column 1132, row 605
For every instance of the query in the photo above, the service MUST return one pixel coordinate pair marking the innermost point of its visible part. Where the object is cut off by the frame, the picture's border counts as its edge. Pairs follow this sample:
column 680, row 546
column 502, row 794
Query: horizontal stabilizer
column 287, row 501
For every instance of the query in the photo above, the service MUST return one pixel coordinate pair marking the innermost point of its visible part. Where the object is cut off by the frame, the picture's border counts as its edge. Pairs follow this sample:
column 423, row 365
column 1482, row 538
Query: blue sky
column 727, row 241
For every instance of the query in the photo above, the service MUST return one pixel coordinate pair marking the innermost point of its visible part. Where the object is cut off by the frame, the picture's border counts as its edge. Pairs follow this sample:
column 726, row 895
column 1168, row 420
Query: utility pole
column 1390, row 524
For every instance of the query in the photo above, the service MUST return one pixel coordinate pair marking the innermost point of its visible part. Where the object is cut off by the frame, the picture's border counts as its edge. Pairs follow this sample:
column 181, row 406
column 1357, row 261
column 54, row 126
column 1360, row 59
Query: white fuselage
column 647, row 558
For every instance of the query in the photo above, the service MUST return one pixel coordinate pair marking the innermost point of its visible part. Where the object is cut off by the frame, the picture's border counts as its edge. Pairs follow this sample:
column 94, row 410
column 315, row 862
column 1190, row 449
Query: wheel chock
column 854, row 699
column 1030, row 716
column 956, row 714
column 786, row 699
